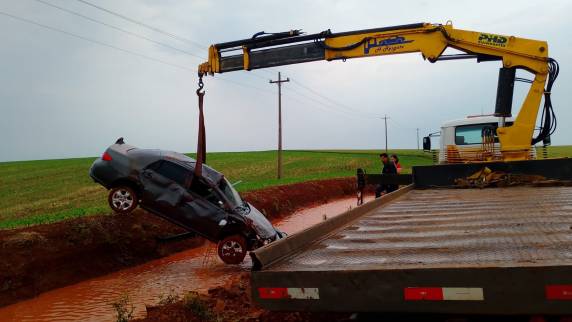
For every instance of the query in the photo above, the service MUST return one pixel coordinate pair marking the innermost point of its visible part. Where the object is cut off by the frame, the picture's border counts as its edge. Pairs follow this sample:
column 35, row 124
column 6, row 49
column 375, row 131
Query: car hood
column 260, row 224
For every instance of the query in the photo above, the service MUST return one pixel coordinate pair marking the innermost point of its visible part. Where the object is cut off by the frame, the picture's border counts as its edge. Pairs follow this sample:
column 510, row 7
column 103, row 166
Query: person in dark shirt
column 395, row 161
column 388, row 168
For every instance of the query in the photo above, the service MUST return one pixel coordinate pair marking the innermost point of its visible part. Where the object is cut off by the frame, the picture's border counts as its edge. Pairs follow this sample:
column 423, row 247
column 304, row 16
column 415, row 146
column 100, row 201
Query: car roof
column 142, row 158
column 188, row 162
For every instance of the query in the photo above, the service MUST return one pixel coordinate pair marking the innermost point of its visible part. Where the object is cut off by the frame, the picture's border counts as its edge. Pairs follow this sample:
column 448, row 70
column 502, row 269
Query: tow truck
column 448, row 242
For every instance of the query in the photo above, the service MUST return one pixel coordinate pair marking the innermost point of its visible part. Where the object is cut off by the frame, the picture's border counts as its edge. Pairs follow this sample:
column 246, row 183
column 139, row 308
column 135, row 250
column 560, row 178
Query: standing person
column 388, row 168
column 395, row 161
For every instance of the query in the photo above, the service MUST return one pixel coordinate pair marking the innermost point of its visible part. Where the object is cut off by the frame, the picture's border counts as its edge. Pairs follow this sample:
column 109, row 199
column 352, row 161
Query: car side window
column 200, row 188
column 172, row 171
column 155, row 165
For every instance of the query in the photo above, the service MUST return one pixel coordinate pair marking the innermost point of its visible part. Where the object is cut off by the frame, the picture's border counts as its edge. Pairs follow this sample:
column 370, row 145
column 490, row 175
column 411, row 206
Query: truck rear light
column 296, row 293
column 559, row 292
column 423, row 294
column 273, row 292
column 443, row 294
column 106, row 157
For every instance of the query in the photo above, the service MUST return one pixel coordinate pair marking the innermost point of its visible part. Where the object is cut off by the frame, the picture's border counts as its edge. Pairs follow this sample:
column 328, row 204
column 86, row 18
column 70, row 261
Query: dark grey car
column 162, row 182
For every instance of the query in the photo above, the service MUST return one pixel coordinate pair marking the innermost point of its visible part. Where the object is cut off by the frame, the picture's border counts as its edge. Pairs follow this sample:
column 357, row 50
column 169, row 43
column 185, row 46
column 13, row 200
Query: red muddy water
column 196, row 269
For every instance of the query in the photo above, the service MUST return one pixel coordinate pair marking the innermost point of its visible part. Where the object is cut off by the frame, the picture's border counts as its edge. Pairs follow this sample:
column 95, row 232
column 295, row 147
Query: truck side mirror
column 426, row 143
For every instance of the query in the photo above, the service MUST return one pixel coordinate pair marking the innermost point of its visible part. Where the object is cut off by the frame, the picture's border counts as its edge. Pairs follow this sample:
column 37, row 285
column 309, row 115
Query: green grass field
column 37, row 192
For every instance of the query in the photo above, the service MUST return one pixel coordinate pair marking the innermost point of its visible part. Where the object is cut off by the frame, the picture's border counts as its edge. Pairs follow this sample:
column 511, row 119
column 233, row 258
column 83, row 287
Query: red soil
column 231, row 302
column 39, row 258
column 278, row 201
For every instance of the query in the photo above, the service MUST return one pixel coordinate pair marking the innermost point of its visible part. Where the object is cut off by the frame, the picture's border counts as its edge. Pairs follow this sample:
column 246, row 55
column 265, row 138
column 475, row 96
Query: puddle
column 196, row 269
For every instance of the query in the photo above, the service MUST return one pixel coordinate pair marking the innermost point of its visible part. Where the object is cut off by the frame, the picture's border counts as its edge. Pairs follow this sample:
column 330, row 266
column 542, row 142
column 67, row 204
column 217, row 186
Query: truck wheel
column 123, row 199
column 232, row 249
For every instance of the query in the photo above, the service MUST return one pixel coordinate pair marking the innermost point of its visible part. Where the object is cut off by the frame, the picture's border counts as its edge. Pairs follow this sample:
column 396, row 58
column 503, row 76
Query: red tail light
column 106, row 157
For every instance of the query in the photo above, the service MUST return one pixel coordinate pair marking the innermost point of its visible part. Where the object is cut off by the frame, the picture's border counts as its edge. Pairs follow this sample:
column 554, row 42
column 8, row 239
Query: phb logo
column 493, row 40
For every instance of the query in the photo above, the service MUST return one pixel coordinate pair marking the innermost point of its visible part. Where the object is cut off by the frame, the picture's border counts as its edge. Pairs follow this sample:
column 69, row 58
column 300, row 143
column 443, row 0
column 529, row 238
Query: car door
column 165, row 193
column 163, row 187
column 204, row 211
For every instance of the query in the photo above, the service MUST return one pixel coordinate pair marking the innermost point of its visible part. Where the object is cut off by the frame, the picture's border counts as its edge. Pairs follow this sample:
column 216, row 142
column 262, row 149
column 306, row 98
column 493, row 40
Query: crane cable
column 548, row 119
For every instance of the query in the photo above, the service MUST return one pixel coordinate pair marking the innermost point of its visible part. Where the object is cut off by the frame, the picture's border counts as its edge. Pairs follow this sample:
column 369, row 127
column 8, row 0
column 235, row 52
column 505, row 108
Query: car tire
column 123, row 199
column 232, row 249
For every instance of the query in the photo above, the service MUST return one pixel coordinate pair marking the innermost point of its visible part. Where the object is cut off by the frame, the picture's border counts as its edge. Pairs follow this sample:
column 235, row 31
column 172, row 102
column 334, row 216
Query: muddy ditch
column 40, row 258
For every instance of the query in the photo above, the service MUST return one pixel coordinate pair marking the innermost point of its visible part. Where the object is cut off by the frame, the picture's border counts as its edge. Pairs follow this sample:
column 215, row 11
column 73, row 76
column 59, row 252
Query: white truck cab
column 469, row 139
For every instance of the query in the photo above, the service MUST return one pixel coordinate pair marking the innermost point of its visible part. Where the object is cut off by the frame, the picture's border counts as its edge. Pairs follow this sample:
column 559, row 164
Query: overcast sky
column 62, row 96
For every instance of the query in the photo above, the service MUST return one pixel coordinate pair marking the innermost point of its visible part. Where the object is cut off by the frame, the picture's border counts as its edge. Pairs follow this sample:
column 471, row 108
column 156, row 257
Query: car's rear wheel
column 123, row 199
column 232, row 249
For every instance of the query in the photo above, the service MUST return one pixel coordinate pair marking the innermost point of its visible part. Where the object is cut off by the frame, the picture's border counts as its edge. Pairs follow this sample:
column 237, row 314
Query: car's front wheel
column 123, row 199
column 232, row 249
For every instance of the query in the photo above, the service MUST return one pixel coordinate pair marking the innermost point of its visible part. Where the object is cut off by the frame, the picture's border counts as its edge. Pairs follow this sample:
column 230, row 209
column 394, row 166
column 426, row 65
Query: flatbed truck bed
column 461, row 251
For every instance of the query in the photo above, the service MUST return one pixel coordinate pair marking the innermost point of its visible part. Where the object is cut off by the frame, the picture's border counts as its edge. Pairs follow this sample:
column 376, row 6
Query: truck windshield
column 473, row 133
column 231, row 194
column 469, row 134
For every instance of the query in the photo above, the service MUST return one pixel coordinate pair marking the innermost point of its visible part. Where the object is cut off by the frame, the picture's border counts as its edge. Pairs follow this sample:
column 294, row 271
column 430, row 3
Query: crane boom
column 431, row 40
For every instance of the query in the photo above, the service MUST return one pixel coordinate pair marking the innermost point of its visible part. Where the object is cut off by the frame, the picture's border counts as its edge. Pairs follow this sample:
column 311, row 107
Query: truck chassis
column 462, row 251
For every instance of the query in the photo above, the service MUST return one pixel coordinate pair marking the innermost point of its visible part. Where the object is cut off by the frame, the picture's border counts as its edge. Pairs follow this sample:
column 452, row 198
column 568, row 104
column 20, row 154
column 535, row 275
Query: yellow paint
column 246, row 57
column 431, row 40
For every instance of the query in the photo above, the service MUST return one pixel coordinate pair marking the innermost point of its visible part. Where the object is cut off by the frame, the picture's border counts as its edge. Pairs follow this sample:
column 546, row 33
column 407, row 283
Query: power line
column 328, row 106
column 119, row 29
column 324, row 107
column 267, row 91
column 93, row 41
column 251, row 73
column 150, row 40
column 166, row 33
column 97, row 42
column 331, row 100
column 170, row 34
column 332, row 107
column 400, row 125
column 127, row 51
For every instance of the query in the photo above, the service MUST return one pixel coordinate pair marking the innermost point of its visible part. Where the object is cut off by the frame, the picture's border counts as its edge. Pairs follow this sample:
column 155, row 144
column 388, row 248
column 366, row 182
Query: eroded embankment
column 40, row 258
column 231, row 302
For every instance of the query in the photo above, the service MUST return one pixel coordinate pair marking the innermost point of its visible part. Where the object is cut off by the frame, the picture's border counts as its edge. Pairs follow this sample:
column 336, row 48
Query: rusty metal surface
column 452, row 228
column 282, row 248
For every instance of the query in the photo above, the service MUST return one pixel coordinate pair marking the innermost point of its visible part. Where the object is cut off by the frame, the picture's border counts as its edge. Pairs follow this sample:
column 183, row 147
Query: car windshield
column 231, row 194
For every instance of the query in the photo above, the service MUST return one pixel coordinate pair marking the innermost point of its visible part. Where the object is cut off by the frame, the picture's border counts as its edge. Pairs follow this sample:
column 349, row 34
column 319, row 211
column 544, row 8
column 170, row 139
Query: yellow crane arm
column 431, row 40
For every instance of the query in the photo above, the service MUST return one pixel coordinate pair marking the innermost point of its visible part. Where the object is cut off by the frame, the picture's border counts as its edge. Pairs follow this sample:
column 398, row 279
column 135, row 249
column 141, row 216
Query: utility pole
column 279, row 82
column 385, row 119
column 417, row 138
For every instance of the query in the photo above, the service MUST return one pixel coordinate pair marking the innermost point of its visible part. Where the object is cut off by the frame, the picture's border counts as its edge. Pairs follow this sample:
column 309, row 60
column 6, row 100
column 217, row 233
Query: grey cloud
column 65, row 97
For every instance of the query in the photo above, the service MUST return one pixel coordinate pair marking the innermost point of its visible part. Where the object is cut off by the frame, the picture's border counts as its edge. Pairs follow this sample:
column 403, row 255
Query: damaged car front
column 243, row 220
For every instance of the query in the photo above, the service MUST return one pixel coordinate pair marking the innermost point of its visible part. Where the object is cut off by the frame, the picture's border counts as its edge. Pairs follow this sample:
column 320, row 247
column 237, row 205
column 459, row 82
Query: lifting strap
column 201, row 144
